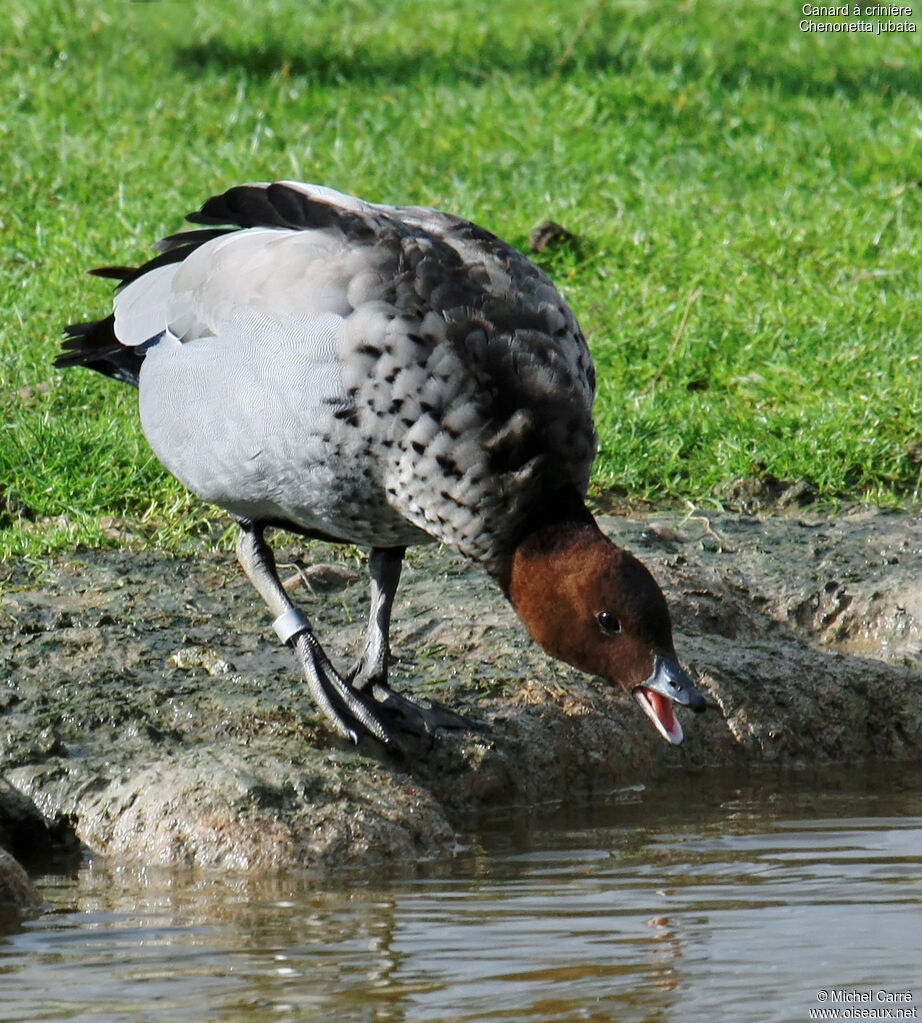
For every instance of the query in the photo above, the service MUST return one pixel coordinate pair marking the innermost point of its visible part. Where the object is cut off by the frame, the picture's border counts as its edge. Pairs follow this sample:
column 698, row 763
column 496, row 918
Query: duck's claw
column 350, row 712
column 373, row 709
column 419, row 716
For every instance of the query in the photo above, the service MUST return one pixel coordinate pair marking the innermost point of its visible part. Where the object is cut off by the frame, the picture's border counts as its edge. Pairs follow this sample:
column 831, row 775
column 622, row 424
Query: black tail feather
column 117, row 273
column 188, row 240
column 94, row 344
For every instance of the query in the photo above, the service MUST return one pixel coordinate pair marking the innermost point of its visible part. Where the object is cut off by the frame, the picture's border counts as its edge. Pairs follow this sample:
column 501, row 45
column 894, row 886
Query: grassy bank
column 747, row 198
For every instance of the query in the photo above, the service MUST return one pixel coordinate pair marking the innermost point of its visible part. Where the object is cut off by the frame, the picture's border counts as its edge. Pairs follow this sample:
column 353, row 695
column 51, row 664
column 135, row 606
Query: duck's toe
column 417, row 715
column 356, row 706
column 351, row 712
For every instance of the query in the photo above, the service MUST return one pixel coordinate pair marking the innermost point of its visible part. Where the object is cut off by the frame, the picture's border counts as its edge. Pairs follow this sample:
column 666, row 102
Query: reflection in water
column 698, row 899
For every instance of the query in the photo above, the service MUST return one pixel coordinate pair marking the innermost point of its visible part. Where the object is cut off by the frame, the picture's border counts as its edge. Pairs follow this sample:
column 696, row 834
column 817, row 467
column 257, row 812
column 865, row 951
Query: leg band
column 290, row 624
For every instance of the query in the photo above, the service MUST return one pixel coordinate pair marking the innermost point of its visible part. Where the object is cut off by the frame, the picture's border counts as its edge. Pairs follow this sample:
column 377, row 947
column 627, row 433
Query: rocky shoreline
column 148, row 716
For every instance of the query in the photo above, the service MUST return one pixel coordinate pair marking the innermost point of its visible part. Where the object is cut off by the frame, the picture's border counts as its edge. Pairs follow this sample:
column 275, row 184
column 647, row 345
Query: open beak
column 667, row 685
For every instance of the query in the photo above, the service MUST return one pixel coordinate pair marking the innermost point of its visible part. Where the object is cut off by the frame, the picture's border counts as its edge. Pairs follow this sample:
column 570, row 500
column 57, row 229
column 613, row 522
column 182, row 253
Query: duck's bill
column 667, row 685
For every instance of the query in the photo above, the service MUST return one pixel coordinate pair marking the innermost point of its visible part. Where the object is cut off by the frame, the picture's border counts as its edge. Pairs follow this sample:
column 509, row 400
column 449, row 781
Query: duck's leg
column 349, row 711
column 370, row 671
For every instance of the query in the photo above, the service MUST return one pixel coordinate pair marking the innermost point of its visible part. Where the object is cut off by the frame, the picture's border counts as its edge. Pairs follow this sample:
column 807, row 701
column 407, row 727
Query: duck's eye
column 609, row 622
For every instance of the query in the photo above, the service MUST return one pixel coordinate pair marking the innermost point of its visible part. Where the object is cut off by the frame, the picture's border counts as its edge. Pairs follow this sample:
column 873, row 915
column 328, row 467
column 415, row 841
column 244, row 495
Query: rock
column 236, row 809
column 200, row 657
column 765, row 493
column 12, row 507
column 322, row 578
column 805, row 635
column 20, row 825
column 549, row 234
column 16, row 891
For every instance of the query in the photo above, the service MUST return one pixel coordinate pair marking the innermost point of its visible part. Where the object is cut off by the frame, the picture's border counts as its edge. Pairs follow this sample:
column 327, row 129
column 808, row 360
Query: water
column 695, row 898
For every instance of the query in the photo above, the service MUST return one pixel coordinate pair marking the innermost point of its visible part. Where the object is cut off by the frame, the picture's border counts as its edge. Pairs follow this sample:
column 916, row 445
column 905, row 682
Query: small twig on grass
column 709, row 530
column 298, row 579
column 570, row 48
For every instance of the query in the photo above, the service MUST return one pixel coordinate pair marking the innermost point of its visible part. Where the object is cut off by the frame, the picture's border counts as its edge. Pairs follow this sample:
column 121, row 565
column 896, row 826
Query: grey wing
column 244, row 388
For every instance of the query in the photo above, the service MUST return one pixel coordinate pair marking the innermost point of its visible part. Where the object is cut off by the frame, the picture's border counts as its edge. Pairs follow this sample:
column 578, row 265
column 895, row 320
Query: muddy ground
column 148, row 714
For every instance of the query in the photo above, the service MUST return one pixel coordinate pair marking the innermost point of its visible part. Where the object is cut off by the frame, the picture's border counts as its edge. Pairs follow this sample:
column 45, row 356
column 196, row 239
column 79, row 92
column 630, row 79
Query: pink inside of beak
column 658, row 709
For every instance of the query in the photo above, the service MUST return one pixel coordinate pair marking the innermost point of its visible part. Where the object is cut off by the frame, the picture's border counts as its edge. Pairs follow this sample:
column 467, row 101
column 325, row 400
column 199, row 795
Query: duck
column 384, row 376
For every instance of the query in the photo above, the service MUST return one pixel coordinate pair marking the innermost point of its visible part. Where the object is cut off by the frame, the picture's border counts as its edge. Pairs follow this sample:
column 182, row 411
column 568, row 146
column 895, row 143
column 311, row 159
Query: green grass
column 747, row 199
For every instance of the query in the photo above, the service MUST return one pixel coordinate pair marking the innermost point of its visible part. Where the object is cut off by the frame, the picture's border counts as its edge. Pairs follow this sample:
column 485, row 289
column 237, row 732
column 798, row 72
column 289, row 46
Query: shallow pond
column 703, row 897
